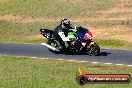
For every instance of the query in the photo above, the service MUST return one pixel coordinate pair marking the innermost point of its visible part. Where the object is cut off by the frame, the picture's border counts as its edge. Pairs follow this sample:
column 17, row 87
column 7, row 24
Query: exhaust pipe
column 50, row 47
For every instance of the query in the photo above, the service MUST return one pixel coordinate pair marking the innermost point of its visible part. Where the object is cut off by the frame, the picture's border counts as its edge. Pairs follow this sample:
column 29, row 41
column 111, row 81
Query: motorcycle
column 75, row 46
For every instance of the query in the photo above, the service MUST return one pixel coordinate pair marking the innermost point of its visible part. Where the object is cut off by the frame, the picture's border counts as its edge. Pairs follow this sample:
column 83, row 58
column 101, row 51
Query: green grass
column 31, row 73
column 23, row 72
column 19, row 32
column 107, row 23
column 53, row 8
column 113, row 43
column 110, row 23
column 23, row 32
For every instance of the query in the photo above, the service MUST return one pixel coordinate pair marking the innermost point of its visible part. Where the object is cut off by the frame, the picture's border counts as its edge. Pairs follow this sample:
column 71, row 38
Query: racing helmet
column 65, row 22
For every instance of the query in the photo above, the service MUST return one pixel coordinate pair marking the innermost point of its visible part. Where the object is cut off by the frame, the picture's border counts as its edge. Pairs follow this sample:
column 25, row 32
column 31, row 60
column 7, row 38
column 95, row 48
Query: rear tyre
column 55, row 44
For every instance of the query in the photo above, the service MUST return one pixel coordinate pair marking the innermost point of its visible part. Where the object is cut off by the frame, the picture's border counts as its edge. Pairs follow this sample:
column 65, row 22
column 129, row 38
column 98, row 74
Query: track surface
column 107, row 55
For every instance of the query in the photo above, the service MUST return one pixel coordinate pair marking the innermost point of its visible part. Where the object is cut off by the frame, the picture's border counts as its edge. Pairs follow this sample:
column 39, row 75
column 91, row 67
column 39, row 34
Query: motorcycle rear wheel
column 55, row 44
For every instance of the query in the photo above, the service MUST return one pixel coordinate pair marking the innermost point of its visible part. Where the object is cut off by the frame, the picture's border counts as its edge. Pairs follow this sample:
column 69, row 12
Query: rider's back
column 56, row 31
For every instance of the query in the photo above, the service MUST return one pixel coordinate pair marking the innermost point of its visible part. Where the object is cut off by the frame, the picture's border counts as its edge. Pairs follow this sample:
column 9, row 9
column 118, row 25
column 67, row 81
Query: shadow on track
column 80, row 53
column 104, row 54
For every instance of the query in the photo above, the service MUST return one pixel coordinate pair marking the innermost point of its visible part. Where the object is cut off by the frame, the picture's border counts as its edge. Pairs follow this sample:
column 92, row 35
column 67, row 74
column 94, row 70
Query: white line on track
column 118, row 64
column 33, row 57
column 82, row 61
column 44, row 58
column 107, row 63
column 60, row 59
column 95, row 62
column 71, row 60
column 129, row 65
column 85, row 61
column 76, row 61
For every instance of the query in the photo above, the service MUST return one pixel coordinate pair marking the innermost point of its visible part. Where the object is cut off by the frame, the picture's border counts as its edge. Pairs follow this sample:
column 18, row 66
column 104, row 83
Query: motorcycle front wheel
column 94, row 50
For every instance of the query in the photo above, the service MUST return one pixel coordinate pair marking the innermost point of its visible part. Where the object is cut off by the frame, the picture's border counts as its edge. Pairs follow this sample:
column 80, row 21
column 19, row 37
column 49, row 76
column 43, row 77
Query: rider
column 61, row 31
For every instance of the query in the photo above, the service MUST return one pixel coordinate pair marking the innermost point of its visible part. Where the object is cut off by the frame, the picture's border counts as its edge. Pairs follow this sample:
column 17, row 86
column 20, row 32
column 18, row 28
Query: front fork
column 90, row 44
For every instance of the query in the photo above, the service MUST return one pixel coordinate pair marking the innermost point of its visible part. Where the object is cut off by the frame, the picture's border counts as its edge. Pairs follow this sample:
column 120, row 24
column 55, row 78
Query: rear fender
column 47, row 33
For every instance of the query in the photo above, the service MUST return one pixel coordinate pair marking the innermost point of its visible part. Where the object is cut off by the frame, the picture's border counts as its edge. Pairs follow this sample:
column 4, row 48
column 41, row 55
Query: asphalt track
column 107, row 56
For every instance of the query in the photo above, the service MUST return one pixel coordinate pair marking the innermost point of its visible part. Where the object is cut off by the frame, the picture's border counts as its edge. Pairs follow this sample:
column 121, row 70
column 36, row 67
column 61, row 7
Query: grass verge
column 29, row 33
column 21, row 32
column 113, row 43
column 50, row 8
column 24, row 72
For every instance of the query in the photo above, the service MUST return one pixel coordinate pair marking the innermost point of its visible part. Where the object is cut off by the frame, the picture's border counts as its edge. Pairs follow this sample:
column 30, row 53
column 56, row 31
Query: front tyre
column 94, row 50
